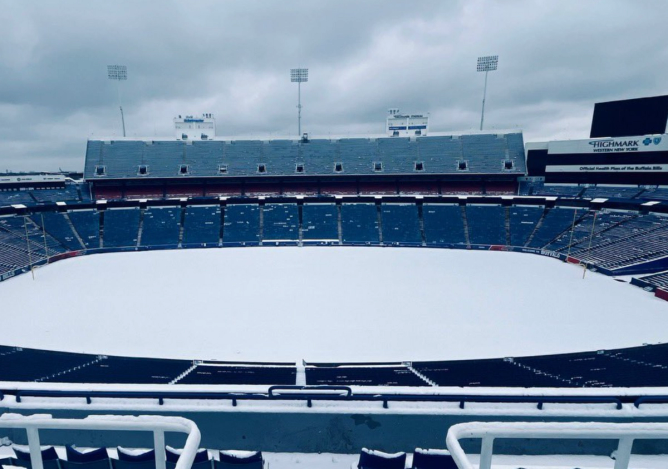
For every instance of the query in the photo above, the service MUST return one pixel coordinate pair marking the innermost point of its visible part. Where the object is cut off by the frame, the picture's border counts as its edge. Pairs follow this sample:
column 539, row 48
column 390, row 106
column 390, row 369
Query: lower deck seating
column 121, row 227
column 87, row 225
column 523, row 221
column 201, row 225
column 161, row 226
column 363, row 376
column 359, row 224
column 400, row 224
column 280, row 222
column 229, row 374
column 242, row 224
column 443, row 224
column 486, row 224
column 320, row 222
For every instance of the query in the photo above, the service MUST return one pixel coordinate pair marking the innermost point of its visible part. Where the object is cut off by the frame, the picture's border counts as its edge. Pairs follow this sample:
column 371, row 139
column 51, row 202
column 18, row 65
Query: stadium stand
column 486, row 224
column 86, row 224
column 400, row 224
column 523, row 221
column 202, row 225
column 121, row 227
column 443, row 225
column 242, row 225
column 232, row 374
column 630, row 367
column 363, row 376
column 116, row 169
column 359, row 224
column 124, row 370
column 554, row 222
column 320, row 223
column 161, row 227
column 280, row 223
column 59, row 227
column 621, row 192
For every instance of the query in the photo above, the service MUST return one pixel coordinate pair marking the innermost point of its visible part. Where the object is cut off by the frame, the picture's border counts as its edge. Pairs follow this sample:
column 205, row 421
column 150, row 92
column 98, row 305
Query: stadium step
column 74, row 230
column 184, row 374
column 421, row 376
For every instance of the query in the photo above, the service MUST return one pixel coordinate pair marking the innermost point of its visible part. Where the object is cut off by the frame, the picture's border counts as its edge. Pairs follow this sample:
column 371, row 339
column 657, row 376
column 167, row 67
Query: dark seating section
column 359, row 224
column 87, row 225
column 280, row 223
column 18, row 364
column 201, row 225
column 554, row 222
column 401, row 225
column 443, row 224
column 239, row 460
column 363, row 376
column 59, row 227
column 432, row 459
column 492, row 373
column 320, row 223
column 523, row 222
column 486, row 224
column 124, row 370
column 231, row 374
column 242, row 225
column 121, row 227
column 372, row 459
column 161, row 226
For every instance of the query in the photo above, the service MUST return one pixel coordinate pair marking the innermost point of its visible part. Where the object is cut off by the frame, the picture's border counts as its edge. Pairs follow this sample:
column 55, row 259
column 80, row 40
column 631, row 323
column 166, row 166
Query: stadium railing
column 158, row 425
column 625, row 433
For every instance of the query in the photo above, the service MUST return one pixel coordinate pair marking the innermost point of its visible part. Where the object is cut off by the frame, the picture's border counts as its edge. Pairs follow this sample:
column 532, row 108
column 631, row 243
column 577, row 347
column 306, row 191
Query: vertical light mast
column 299, row 76
column 118, row 73
column 486, row 64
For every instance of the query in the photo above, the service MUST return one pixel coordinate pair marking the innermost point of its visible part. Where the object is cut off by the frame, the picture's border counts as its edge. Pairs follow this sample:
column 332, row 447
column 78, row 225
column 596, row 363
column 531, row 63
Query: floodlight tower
column 118, row 73
column 486, row 64
column 299, row 76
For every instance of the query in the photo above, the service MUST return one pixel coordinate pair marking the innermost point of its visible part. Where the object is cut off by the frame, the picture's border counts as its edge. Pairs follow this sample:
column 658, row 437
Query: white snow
column 325, row 304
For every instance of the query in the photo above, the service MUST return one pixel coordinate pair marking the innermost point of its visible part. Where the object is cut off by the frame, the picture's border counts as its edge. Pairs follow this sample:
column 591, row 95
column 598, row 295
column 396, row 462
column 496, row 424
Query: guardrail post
column 623, row 454
column 35, row 449
column 159, row 445
column 486, row 453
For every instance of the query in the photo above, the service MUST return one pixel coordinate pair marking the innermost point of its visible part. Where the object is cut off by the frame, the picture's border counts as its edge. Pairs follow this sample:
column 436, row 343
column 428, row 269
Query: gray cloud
column 232, row 58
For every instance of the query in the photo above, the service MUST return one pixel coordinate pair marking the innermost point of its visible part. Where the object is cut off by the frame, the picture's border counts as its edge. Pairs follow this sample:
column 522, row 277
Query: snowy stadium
column 296, row 301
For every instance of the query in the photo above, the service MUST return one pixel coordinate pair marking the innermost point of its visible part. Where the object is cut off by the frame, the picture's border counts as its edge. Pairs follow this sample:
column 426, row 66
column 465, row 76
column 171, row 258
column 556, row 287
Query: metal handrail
column 625, row 433
column 324, row 393
column 156, row 424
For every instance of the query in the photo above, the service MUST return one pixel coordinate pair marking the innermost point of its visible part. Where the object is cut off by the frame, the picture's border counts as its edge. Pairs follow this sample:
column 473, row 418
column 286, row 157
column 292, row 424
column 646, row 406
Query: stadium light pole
column 118, row 73
column 486, row 64
column 299, row 76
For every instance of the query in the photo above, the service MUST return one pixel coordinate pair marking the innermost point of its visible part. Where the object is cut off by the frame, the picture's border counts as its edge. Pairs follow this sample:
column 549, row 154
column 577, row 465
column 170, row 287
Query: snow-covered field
column 325, row 304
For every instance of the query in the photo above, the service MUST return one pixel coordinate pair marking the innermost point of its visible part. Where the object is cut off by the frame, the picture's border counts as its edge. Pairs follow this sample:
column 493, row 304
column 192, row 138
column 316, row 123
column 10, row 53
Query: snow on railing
column 156, row 424
column 625, row 433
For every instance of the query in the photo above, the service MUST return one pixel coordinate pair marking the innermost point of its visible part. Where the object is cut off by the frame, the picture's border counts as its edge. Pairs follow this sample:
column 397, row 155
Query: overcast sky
column 232, row 58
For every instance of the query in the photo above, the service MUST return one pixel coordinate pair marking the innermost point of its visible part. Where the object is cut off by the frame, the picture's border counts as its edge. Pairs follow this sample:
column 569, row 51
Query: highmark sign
column 610, row 145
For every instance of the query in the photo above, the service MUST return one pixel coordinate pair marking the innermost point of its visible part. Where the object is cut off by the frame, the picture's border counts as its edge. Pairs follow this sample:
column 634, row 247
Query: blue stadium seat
column 371, row 459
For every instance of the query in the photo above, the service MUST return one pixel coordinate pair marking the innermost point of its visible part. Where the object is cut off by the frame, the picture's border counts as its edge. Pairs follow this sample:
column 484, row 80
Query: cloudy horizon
column 232, row 59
